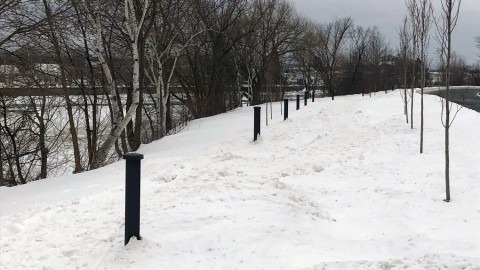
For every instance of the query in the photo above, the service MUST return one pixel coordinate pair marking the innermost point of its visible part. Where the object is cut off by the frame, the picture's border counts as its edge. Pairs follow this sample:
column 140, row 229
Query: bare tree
column 53, row 32
column 94, row 13
column 330, row 39
column 277, row 30
column 360, row 39
column 423, row 15
column 134, row 18
column 164, row 47
column 11, row 130
column 445, row 24
column 18, row 17
column 405, row 56
column 81, row 59
column 31, row 130
column 303, row 54
column 412, row 7
column 377, row 51
column 207, row 70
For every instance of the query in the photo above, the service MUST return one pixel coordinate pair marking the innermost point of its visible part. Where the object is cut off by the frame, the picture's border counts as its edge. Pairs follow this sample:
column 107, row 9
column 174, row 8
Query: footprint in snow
column 318, row 168
column 224, row 173
column 166, row 177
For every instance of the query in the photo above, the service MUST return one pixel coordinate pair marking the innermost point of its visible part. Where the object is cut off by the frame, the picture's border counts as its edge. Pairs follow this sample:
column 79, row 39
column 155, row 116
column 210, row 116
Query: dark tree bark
column 53, row 31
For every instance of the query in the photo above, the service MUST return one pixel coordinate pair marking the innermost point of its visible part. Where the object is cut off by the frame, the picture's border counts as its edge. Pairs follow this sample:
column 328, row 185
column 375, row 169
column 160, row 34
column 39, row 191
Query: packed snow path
column 340, row 185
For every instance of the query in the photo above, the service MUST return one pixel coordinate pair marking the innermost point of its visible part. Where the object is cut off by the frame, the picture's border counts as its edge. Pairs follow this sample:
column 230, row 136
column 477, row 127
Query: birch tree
column 133, row 27
column 164, row 47
column 93, row 9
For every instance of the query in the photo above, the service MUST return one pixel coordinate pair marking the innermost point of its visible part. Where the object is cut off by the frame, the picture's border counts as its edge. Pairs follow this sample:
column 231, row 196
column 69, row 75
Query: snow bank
column 340, row 185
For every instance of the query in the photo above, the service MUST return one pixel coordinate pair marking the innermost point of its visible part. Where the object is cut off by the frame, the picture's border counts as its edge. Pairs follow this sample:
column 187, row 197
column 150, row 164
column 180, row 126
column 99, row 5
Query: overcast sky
column 387, row 15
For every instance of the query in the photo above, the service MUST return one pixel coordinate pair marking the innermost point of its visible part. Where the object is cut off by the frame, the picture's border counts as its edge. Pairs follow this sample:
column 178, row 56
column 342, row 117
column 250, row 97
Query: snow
column 339, row 185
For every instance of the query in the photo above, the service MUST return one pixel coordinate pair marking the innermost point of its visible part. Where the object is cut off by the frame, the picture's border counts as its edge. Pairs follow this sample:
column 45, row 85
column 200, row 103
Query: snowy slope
column 340, row 185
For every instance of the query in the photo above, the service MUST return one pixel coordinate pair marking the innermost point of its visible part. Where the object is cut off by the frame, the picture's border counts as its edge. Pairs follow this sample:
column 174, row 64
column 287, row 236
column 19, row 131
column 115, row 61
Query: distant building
column 435, row 78
column 294, row 76
column 47, row 74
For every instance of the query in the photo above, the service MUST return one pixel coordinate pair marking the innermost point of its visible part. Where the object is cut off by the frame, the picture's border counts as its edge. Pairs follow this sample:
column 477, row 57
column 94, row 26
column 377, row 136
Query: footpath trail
column 339, row 185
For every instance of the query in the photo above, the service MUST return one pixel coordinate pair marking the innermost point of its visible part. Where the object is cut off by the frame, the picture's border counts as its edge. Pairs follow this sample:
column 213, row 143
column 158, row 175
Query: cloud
column 387, row 15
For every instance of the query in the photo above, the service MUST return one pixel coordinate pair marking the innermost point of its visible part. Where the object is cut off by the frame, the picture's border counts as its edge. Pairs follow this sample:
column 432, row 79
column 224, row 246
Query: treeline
column 216, row 51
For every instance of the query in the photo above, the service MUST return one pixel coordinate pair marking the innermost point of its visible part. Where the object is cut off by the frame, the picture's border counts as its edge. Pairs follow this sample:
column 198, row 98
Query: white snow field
column 340, row 185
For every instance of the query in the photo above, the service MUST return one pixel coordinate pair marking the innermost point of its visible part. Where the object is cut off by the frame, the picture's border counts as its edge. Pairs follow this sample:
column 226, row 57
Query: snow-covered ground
column 340, row 185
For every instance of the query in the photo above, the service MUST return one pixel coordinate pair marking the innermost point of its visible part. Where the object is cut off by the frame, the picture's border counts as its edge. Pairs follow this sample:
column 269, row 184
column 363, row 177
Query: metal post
column 256, row 121
column 305, row 98
column 132, row 196
column 285, row 105
column 313, row 95
column 298, row 102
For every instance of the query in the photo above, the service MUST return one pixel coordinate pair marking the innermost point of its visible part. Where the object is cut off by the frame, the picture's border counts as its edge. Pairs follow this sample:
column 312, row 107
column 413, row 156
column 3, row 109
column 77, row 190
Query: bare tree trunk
column 412, row 10
column 332, row 91
column 161, row 103
column 449, row 9
column 41, row 135
column 17, row 160
column 110, row 85
column 92, row 129
column 447, row 142
column 405, row 70
column 406, row 101
column 421, row 113
column 66, row 91
column 166, row 98
column 16, row 154
column 43, row 153
column 424, row 28
column 133, row 28
column 445, row 26
column 411, row 108
column 163, row 111
column 404, row 49
column 266, row 102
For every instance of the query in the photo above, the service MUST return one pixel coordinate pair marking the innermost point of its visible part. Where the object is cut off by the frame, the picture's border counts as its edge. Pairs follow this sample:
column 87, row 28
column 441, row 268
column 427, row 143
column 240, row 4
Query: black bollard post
column 313, row 95
column 132, row 196
column 298, row 102
column 256, row 121
column 305, row 98
column 285, row 106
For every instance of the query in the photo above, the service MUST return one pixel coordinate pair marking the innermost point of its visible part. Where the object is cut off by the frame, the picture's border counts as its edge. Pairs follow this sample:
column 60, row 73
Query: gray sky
column 387, row 15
